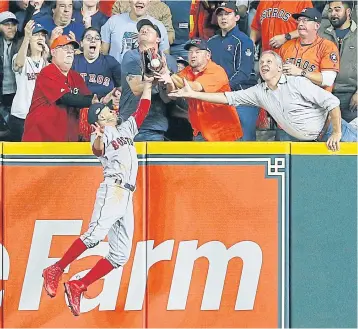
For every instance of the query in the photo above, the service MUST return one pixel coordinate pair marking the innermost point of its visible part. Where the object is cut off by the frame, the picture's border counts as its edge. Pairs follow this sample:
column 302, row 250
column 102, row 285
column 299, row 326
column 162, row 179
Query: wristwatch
column 288, row 36
column 303, row 73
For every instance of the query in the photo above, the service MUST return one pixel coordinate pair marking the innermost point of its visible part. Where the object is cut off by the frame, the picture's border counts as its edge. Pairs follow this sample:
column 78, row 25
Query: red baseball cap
column 64, row 40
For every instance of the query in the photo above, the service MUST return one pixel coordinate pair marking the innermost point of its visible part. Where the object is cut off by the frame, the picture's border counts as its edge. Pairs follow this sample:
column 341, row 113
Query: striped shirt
column 298, row 106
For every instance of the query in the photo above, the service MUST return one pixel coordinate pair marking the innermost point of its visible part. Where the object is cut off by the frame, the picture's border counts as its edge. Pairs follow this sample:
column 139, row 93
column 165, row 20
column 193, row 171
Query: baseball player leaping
column 112, row 143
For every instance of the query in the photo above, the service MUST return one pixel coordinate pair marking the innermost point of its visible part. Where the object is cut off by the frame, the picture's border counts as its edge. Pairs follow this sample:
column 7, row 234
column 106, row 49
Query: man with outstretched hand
column 304, row 110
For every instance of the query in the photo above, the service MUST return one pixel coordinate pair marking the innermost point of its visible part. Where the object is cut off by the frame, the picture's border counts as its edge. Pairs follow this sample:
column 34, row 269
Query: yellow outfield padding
column 55, row 148
column 218, row 148
column 302, row 148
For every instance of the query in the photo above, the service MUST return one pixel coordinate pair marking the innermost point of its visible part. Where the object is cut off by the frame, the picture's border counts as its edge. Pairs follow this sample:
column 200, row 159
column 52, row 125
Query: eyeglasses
column 67, row 48
column 304, row 20
column 90, row 39
column 39, row 34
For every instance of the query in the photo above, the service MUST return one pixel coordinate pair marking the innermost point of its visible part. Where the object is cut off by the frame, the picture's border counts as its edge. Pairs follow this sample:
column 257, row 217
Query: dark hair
column 90, row 29
column 28, row 53
column 53, row 4
column 347, row 4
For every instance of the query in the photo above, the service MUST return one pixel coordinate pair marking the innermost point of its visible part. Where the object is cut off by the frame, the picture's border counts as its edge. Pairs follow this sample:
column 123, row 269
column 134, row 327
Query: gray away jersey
column 120, row 156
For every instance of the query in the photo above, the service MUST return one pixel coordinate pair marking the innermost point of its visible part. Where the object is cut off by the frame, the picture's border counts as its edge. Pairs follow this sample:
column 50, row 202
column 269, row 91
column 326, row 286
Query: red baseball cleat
column 52, row 276
column 74, row 290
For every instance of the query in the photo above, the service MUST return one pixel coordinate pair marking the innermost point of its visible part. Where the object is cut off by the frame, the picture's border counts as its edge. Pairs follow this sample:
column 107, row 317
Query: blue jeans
column 5, row 112
column 178, row 51
column 199, row 138
column 282, row 136
column 349, row 134
column 248, row 117
column 149, row 135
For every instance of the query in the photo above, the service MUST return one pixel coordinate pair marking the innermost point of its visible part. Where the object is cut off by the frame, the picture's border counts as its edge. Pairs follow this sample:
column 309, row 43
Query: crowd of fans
column 215, row 45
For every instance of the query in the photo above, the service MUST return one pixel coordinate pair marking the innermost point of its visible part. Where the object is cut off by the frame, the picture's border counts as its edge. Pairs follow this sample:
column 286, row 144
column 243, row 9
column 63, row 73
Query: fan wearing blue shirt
column 234, row 51
column 62, row 20
column 89, row 15
column 101, row 73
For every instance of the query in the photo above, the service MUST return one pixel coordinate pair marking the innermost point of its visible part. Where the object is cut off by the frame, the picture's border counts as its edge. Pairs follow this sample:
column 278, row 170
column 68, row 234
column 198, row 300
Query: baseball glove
column 151, row 62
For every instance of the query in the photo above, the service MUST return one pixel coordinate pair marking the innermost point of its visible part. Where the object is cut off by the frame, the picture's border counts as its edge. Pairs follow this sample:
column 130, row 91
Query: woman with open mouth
column 101, row 73
column 27, row 64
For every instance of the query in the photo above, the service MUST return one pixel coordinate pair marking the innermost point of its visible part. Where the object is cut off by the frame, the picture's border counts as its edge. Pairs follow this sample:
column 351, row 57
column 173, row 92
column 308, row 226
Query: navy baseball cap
column 199, row 43
column 312, row 13
column 146, row 21
column 182, row 61
column 228, row 6
column 95, row 110
column 39, row 28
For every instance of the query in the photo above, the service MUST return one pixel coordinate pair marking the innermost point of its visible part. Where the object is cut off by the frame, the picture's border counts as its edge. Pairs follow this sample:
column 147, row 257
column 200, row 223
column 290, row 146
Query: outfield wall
column 226, row 235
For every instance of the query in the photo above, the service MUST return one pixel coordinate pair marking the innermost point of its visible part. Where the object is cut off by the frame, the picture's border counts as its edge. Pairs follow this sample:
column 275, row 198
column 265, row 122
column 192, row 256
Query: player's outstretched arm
column 145, row 101
column 188, row 92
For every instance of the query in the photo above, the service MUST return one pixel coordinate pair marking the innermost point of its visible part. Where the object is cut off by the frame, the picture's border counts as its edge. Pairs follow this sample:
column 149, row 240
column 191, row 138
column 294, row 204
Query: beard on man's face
column 338, row 22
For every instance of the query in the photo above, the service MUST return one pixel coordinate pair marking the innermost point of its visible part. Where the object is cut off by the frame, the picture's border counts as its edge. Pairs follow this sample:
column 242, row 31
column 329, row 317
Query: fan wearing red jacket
column 58, row 96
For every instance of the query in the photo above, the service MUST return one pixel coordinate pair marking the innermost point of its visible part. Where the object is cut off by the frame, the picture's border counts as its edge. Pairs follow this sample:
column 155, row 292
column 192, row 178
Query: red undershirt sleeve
column 142, row 111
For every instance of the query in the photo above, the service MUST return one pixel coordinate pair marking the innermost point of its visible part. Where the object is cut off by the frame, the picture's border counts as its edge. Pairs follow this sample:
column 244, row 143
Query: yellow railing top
column 218, row 148
column 55, row 148
column 184, row 148
column 321, row 149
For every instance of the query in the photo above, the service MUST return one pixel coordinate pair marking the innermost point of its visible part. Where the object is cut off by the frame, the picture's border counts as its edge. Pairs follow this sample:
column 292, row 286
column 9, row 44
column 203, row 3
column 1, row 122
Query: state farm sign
column 145, row 257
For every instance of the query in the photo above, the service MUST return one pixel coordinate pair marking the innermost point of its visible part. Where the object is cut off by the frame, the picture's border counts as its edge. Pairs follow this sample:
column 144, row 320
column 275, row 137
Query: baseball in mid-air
column 155, row 63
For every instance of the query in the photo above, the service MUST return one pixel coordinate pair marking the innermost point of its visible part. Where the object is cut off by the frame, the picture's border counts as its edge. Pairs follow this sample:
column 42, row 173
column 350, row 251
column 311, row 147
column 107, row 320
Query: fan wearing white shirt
column 27, row 64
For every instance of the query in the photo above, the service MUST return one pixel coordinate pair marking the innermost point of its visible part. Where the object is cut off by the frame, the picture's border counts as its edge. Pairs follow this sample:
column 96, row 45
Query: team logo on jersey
column 275, row 13
column 129, row 41
column 333, row 57
column 120, row 141
column 32, row 76
column 248, row 52
column 229, row 47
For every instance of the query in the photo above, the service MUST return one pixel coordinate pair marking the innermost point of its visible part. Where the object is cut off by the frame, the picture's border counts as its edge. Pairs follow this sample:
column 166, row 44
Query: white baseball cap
column 7, row 16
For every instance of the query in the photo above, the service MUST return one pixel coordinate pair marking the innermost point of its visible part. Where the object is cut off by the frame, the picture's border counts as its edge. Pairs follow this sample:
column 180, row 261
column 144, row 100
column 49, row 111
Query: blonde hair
column 277, row 56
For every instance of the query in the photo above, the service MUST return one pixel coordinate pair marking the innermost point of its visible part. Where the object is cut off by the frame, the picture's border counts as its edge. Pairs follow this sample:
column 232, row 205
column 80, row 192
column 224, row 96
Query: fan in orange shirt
column 210, row 122
column 273, row 22
column 4, row 5
column 310, row 55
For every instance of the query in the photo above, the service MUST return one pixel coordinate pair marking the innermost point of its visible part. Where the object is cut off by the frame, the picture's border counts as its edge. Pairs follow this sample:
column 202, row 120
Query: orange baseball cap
column 64, row 40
